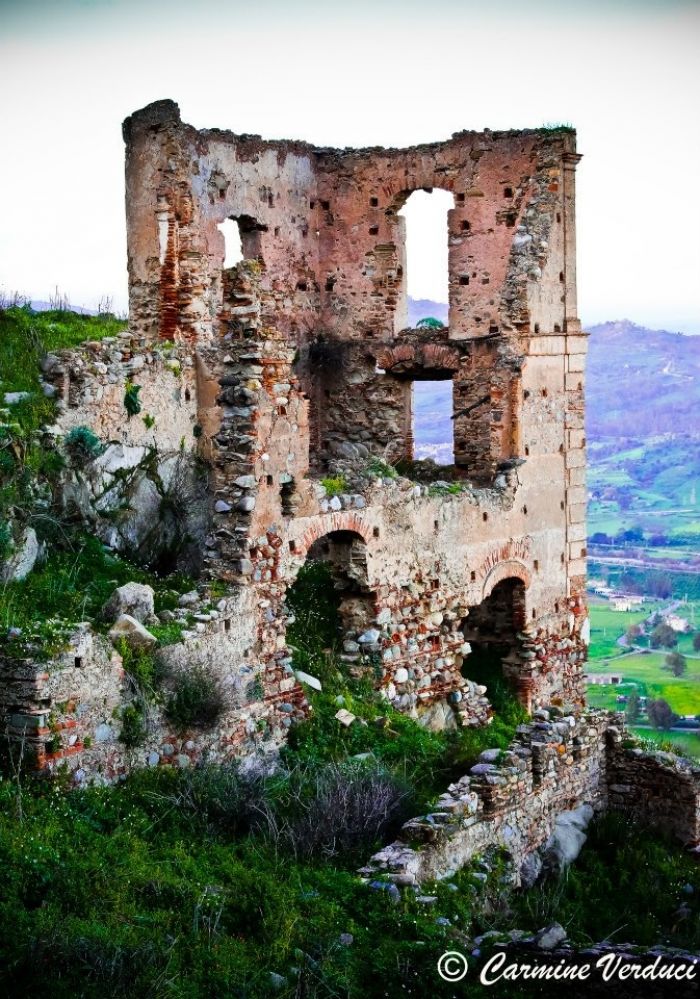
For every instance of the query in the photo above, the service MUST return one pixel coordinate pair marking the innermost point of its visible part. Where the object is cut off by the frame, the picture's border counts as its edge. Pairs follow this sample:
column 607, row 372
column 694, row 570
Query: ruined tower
column 303, row 368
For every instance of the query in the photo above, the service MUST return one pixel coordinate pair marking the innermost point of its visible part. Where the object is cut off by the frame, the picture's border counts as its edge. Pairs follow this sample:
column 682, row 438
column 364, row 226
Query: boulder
column 567, row 839
column 135, row 599
column 550, row 937
column 23, row 559
column 133, row 633
column 530, row 870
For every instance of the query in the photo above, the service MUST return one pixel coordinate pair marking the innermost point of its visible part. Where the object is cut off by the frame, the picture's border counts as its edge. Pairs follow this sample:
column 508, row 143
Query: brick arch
column 420, row 181
column 405, row 357
column 510, row 569
column 341, row 520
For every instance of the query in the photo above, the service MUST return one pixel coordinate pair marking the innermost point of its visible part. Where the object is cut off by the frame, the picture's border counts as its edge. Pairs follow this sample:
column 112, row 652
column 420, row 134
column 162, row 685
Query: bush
column 340, row 809
column 335, row 485
column 197, row 700
column 81, row 446
column 133, row 731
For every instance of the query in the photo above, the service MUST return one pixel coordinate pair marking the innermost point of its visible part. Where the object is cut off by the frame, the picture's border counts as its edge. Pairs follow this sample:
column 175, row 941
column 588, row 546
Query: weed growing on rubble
column 335, row 485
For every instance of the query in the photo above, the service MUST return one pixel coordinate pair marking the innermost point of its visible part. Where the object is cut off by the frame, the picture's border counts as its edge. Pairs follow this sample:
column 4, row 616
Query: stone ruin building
column 296, row 365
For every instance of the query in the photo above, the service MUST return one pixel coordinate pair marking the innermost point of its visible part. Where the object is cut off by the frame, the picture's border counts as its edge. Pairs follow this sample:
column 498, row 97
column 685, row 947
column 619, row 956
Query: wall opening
column 492, row 629
column 331, row 600
column 241, row 239
column 425, row 221
column 433, row 426
column 233, row 247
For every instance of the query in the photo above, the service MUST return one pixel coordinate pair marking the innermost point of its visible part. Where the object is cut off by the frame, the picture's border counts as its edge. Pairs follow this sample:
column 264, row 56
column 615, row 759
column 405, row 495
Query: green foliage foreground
column 143, row 890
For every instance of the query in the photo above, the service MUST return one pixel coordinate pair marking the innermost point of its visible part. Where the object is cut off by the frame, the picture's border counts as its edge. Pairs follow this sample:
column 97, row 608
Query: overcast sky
column 625, row 73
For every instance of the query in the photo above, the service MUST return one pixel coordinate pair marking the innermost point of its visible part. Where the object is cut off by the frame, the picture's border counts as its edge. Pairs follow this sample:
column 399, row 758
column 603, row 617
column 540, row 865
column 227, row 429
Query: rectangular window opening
column 433, row 426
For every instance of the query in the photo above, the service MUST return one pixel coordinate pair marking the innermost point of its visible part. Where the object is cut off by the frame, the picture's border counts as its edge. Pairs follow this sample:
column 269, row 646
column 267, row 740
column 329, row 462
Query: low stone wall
column 660, row 789
column 509, row 799
column 512, row 799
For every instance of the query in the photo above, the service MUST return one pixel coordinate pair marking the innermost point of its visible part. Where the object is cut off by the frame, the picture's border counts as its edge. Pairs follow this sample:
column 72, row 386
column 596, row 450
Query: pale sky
column 625, row 73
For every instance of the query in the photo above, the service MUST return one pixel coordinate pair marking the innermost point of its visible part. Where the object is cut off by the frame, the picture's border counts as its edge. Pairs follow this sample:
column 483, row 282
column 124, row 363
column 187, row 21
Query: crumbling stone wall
column 296, row 364
column 513, row 799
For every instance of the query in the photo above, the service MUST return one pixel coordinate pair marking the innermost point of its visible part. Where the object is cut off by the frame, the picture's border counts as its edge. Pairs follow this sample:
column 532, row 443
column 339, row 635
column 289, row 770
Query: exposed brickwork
column 296, row 364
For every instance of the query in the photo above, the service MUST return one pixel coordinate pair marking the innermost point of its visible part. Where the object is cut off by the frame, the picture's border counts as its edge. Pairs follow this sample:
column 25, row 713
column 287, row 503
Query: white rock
column 345, row 717
column 120, row 456
column 133, row 632
column 23, row 560
column 310, row 681
column 135, row 599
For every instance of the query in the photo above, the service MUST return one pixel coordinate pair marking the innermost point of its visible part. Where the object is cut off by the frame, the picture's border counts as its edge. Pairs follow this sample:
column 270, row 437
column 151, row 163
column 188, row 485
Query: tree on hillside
column 660, row 714
column 663, row 637
column 696, row 641
column 633, row 633
column 676, row 663
column 632, row 710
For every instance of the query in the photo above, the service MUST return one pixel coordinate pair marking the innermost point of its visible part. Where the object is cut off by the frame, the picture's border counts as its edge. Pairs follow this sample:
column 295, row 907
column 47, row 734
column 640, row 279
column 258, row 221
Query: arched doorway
column 492, row 629
column 331, row 602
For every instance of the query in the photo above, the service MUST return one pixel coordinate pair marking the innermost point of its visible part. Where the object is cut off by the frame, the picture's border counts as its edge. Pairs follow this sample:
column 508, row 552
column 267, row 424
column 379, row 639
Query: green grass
column 119, row 892
column 73, row 585
column 607, row 625
column 686, row 744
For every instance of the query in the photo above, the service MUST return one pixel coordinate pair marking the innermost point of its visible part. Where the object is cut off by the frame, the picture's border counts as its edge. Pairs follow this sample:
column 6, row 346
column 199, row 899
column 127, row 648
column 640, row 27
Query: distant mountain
column 40, row 306
column 422, row 308
column 641, row 382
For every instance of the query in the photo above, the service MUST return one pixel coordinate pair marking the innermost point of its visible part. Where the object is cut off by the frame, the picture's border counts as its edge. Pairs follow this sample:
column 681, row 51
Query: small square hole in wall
column 527, row 451
column 374, row 202
column 507, row 192
column 436, row 525
column 466, row 226
column 562, row 558
column 276, row 230
column 227, row 624
column 330, row 284
column 558, row 216
column 435, row 584
column 464, row 279
column 472, row 576
column 561, row 505
column 375, row 532
column 325, row 205
column 78, row 662
column 292, row 546
column 460, row 196
column 584, row 552
column 269, row 479
column 556, row 608
column 561, row 449
column 188, row 395
column 544, row 393
column 537, row 327
column 561, row 276
column 301, row 285
column 374, row 230
column 534, row 613
column 484, row 516
column 283, row 410
column 557, row 328
column 525, row 510
column 312, row 204
column 536, row 565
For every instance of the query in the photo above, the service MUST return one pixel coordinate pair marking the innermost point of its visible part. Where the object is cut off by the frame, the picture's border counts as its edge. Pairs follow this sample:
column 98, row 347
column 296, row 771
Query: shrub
column 133, row 731
column 81, row 446
column 335, row 485
column 132, row 403
column 340, row 809
column 197, row 699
